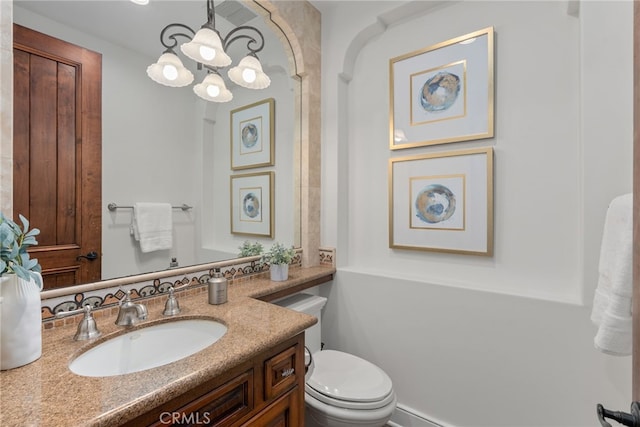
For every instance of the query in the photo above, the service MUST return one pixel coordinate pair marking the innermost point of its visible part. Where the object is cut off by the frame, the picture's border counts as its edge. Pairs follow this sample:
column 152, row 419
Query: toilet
column 341, row 390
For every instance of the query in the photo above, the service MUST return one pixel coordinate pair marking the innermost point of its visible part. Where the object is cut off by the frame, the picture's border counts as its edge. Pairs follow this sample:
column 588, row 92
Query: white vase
column 20, row 321
column 279, row 272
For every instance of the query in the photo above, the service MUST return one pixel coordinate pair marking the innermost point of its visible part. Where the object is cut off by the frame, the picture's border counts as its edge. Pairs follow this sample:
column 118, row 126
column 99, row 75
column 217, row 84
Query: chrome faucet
column 130, row 313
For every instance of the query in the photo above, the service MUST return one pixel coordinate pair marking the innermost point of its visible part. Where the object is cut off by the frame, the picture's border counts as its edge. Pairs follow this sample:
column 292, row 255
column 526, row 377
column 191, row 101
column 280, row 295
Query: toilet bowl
column 341, row 389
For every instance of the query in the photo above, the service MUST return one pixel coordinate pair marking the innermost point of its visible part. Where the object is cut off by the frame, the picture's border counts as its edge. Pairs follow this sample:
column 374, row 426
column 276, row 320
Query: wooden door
column 57, row 140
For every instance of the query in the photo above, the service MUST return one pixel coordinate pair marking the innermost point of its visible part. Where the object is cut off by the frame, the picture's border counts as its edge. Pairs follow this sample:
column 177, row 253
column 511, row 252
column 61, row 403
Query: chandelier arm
column 232, row 37
column 170, row 41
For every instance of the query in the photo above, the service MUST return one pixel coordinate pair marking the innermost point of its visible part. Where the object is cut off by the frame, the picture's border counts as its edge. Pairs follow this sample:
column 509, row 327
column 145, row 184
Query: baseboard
column 408, row 417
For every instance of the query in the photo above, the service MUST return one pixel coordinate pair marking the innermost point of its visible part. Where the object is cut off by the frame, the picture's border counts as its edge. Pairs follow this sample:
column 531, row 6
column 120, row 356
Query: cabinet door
column 284, row 412
column 280, row 373
column 221, row 407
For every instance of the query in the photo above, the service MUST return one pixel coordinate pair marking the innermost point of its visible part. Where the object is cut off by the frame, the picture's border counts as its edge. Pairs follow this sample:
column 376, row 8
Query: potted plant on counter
column 20, row 286
column 278, row 257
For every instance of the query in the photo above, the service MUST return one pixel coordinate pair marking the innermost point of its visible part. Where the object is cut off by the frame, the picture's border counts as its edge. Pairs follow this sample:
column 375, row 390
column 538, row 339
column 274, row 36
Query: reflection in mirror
column 162, row 144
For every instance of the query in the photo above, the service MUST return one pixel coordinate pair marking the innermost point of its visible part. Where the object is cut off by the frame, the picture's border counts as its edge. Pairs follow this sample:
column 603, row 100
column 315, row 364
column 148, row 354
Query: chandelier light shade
column 207, row 48
column 213, row 89
column 248, row 73
column 169, row 71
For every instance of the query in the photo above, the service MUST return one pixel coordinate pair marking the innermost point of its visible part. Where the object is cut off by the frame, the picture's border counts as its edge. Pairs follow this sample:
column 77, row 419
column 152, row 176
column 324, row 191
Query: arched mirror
column 168, row 145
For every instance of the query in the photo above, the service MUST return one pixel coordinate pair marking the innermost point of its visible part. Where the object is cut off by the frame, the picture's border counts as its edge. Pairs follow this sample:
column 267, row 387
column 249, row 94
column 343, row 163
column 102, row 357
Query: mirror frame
column 299, row 23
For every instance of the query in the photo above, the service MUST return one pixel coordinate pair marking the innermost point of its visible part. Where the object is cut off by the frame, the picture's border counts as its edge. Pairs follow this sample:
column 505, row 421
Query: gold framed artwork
column 252, row 204
column 443, row 93
column 442, row 202
column 253, row 135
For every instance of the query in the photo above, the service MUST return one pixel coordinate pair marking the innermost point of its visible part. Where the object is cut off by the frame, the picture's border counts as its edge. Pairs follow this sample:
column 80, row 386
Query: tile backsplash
column 109, row 297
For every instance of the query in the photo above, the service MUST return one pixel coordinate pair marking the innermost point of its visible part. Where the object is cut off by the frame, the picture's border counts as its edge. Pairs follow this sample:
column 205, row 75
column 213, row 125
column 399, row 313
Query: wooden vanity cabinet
column 265, row 391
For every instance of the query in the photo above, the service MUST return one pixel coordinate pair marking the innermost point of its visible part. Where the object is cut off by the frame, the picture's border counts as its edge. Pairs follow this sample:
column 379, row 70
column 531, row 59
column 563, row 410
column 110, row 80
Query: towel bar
column 112, row 207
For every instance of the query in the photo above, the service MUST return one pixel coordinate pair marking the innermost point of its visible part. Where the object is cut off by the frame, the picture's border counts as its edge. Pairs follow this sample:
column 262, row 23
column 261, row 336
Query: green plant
column 250, row 249
column 278, row 254
column 14, row 242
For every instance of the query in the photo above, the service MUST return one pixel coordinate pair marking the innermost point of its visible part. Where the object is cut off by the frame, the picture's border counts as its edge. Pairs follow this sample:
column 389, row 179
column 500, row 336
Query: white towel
column 612, row 301
column 152, row 226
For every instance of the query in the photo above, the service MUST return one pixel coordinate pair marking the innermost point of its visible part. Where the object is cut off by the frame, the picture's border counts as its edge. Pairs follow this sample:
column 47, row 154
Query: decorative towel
column 612, row 301
column 152, row 226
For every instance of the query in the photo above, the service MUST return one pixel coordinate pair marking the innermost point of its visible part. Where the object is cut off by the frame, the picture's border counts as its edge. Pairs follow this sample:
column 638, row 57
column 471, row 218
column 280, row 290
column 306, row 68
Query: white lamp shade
column 249, row 67
column 213, row 89
column 169, row 71
column 206, row 48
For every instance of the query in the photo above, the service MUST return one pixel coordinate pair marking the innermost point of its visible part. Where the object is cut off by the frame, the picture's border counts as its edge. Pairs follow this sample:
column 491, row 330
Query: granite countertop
column 47, row 393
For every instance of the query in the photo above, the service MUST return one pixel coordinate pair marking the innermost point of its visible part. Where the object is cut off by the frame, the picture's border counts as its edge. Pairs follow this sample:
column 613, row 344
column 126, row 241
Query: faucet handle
column 87, row 328
column 171, row 307
column 126, row 298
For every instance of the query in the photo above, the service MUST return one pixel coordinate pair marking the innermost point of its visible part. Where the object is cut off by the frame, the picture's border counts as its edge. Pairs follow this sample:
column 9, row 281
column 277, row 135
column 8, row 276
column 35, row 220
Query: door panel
column 67, row 155
column 57, row 153
column 42, row 167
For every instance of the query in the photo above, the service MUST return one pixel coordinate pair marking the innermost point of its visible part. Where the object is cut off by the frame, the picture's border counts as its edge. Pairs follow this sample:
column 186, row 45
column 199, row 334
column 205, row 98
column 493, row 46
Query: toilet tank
column 308, row 304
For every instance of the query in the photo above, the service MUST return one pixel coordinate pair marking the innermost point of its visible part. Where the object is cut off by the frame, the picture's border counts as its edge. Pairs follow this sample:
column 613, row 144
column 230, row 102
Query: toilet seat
column 347, row 381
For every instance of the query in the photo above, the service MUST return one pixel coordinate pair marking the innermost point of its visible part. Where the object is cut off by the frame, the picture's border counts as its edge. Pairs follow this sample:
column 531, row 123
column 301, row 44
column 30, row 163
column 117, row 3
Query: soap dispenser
column 217, row 288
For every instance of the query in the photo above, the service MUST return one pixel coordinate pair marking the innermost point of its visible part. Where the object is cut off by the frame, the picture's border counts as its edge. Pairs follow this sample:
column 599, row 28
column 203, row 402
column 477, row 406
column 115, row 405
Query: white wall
column 150, row 151
column 468, row 340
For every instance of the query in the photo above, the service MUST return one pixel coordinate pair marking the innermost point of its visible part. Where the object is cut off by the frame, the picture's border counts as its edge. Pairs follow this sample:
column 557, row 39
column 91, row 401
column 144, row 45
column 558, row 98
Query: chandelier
column 208, row 48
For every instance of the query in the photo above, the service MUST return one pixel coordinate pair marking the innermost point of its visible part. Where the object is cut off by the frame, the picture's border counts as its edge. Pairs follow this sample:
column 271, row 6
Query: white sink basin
column 147, row 348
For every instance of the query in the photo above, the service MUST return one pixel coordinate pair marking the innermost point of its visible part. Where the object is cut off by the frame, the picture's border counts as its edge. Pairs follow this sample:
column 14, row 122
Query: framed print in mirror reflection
column 253, row 135
column 442, row 93
column 252, row 207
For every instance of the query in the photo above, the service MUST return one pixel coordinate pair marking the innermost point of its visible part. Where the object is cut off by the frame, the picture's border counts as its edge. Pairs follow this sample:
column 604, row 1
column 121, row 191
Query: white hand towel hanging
column 153, row 226
column 612, row 301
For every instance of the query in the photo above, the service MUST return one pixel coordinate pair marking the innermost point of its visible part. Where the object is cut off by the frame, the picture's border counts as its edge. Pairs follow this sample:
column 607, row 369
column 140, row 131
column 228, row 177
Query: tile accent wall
column 328, row 256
